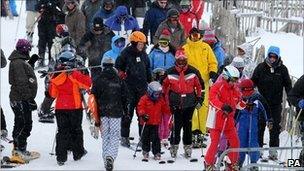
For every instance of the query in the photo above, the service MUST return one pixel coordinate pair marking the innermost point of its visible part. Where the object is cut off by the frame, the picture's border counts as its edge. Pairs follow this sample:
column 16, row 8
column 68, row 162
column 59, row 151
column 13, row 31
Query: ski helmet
column 67, row 57
column 23, row 46
column 62, row 30
column 138, row 36
column 231, row 73
column 247, row 87
column 154, row 90
column 238, row 62
column 107, row 61
column 158, row 74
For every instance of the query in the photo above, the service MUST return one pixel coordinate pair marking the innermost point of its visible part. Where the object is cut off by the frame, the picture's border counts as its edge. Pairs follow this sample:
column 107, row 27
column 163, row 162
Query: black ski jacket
column 296, row 94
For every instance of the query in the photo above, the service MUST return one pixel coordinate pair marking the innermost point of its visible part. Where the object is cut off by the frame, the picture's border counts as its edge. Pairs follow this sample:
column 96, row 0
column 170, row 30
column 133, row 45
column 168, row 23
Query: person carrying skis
column 201, row 57
column 65, row 88
column 162, row 54
column 270, row 77
column 296, row 98
column 248, row 120
column 133, row 66
column 150, row 109
column 23, row 92
column 183, row 90
column 225, row 98
column 111, row 95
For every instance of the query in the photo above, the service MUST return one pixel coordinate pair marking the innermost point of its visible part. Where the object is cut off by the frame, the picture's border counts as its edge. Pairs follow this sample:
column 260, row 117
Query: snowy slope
column 42, row 135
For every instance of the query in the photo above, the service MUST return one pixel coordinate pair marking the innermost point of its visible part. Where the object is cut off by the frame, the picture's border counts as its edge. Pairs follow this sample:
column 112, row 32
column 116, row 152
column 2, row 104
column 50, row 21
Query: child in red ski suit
column 225, row 97
column 150, row 109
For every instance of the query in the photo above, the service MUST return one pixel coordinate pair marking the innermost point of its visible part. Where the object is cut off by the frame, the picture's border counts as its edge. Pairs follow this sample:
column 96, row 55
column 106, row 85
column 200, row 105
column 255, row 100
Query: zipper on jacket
column 165, row 59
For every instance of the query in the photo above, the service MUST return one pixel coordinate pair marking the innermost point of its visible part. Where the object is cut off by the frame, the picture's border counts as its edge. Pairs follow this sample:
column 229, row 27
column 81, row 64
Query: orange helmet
column 138, row 36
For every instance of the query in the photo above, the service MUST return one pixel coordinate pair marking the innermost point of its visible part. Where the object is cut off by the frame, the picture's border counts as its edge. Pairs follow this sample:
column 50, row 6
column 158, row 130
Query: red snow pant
column 233, row 140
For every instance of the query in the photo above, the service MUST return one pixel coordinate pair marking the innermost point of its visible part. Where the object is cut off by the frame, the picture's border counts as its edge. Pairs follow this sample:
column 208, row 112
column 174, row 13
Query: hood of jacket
column 115, row 48
column 121, row 11
column 16, row 55
column 247, row 48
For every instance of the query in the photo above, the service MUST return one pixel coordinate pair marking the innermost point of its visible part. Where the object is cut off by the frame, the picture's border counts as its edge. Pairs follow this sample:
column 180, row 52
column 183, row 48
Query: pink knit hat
column 209, row 36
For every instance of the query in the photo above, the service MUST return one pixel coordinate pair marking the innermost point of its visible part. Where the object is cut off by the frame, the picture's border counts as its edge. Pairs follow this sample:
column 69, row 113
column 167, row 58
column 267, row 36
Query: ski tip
column 193, row 160
column 144, row 160
column 170, row 161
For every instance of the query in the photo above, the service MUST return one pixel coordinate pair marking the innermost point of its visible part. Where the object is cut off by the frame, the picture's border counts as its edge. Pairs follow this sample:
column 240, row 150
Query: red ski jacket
column 155, row 110
column 221, row 92
column 188, row 20
column 66, row 89
column 183, row 86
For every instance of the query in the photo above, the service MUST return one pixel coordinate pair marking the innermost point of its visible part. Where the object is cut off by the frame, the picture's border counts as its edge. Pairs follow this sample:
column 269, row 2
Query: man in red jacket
column 187, row 17
column 183, row 90
column 225, row 97
column 65, row 88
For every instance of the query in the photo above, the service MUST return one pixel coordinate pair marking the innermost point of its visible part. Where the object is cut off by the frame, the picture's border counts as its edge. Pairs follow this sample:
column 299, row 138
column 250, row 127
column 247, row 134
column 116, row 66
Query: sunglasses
column 163, row 42
column 272, row 56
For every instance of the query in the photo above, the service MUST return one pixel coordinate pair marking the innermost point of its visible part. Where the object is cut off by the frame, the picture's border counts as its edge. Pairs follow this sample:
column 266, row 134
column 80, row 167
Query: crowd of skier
column 187, row 81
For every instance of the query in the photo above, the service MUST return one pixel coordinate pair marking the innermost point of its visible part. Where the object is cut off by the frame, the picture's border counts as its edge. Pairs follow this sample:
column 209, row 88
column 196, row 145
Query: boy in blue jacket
column 249, row 118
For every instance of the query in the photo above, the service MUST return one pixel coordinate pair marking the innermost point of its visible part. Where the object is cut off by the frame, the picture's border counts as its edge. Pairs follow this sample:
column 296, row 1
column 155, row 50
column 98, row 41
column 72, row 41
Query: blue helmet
column 154, row 90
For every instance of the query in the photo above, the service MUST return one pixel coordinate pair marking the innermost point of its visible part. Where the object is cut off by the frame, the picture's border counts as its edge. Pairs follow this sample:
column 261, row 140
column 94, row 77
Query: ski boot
column 157, row 156
column 109, row 163
column 60, row 163
column 173, row 150
column 273, row 155
column 21, row 157
column 254, row 168
column 209, row 167
column 79, row 157
column 188, row 151
column 195, row 139
column 232, row 167
column 145, row 156
column 125, row 142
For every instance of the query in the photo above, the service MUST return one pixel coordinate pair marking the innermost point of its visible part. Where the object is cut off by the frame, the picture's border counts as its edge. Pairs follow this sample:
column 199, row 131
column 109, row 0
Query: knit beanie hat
column 209, row 36
column 98, row 23
column 172, row 13
column 165, row 35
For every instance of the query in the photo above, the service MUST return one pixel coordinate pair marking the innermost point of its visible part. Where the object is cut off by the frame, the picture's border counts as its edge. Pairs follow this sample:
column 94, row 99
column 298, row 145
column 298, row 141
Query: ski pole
column 54, row 142
column 222, row 132
column 67, row 70
column 140, row 139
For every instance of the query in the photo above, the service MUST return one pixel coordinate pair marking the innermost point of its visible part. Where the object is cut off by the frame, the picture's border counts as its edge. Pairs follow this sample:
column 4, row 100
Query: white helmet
column 238, row 62
column 231, row 73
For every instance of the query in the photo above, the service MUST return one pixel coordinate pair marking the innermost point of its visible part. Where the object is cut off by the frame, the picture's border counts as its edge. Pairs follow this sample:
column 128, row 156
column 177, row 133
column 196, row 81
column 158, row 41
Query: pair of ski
column 172, row 160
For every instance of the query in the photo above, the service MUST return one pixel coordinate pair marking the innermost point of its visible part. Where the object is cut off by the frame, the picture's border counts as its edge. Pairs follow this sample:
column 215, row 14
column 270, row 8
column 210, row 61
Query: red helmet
column 246, row 87
column 62, row 30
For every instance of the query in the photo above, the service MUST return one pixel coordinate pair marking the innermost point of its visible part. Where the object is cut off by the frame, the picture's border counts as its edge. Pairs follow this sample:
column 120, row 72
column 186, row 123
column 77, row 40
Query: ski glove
column 301, row 104
column 269, row 125
column 3, row 133
column 213, row 76
column 32, row 105
column 145, row 117
column 199, row 104
column 94, row 131
column 226, row 109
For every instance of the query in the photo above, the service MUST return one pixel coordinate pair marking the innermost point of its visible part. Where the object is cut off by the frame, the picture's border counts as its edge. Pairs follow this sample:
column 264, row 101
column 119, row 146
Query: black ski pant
column 135, row 96
column 46, row 33
column 261, row 130
column 182, row 120
column 23, row 123
column 150, row 134
column 275, row 112
column 69, row 133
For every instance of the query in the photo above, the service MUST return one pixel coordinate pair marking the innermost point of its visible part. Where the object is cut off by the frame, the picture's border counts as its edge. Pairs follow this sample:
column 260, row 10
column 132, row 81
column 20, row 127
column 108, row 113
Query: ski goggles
column 163, row 43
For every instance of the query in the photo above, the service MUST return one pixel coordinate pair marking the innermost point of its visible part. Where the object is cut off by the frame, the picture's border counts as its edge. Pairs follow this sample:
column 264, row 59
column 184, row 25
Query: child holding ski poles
column 225, row 97
column 248, row 120
column 150, row 109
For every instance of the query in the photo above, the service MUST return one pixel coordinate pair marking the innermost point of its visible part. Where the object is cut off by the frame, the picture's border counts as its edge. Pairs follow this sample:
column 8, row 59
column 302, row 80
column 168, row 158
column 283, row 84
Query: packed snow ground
column 42, row 135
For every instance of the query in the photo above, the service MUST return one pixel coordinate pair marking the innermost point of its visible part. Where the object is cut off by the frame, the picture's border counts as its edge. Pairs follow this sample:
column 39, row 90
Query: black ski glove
column 32, row 105
column 33, row 60
column 226, row 109
column 213, row 76
column 200, row 101
column 145, row 117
